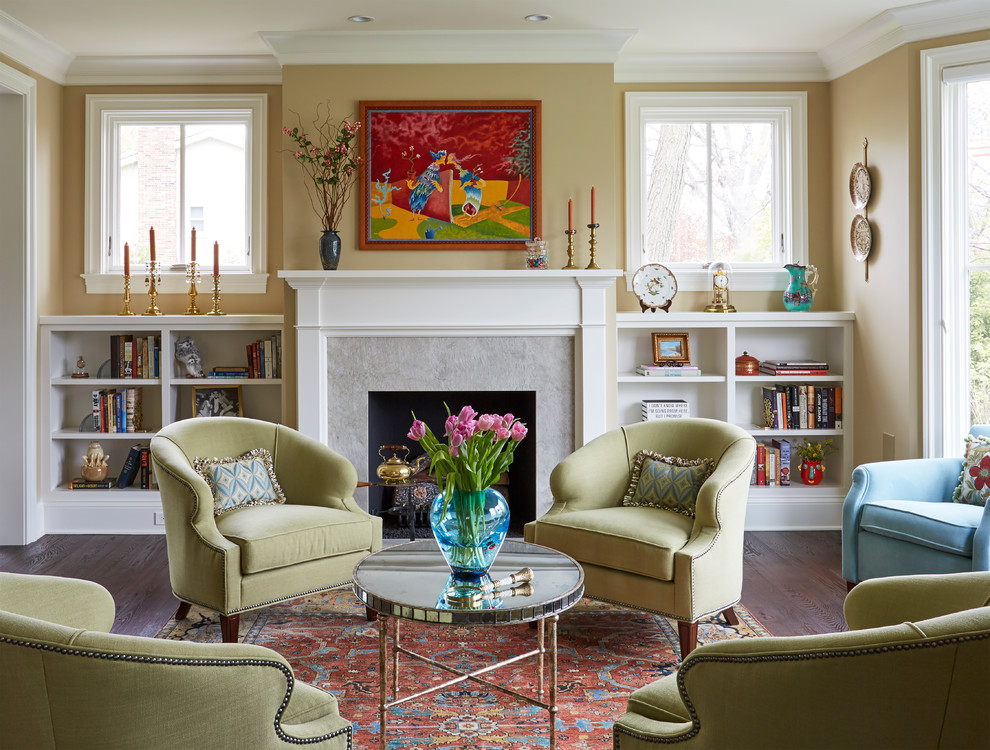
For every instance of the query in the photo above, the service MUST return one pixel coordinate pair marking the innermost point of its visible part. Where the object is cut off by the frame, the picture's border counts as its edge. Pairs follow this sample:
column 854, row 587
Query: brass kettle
column 397, row 470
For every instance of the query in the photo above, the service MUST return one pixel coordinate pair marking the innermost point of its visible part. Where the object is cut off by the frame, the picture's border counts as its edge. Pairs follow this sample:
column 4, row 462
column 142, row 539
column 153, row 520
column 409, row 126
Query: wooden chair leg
column 371, row 614
column 688, row 634
column 229, row 625
column 730, row 616
column 182, row 611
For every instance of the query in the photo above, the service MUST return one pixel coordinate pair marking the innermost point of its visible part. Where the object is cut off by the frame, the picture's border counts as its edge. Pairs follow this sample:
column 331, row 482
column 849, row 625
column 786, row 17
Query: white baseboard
column 794, row 515
column 84, row 517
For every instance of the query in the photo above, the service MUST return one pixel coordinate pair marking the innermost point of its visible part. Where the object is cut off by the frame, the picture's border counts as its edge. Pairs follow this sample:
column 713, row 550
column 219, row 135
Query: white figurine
column 187, row 353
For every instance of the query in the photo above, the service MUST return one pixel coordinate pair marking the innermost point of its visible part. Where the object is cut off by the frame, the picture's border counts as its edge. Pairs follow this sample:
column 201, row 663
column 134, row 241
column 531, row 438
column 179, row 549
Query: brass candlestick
column 570, row 249
column 127, row 297
column 592, row 265
column 216, row 297
column 192, row 276
column 153, row 279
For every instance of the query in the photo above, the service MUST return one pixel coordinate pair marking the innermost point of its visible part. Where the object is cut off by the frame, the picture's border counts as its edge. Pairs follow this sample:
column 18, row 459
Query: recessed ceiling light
column 537, row 17
column 361, row 19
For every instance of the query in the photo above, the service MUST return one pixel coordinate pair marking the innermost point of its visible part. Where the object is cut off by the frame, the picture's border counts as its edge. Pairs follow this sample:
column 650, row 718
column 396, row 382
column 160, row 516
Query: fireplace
column 389, row 418
column 544, row 332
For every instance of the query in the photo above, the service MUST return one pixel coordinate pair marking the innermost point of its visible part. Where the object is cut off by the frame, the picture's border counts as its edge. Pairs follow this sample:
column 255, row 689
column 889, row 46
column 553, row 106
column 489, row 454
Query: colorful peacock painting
column 462, row 177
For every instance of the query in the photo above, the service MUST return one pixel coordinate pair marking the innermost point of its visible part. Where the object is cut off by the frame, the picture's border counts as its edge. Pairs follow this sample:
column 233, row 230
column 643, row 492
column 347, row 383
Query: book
column 87, row 484
column 838, row 407
column 783, row 447
column 143, row 459
column 667, row 372
column 761, row 464
column 790, row 373
column 665, row 409
column 802, row 364
column 811, row 407
column 130, row 467
column 769, row 406
column 771, row 466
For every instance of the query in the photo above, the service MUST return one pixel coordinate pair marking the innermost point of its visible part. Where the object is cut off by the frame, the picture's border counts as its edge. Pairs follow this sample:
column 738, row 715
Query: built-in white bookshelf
column 716, row 340
column 68, row 405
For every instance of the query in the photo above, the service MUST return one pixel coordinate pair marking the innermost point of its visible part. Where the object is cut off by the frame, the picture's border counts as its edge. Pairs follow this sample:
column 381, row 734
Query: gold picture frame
column 217, row 401
column 672, row 349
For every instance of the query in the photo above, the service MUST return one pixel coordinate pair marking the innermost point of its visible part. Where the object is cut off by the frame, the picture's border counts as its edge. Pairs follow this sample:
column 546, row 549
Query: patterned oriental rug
column 604, row 653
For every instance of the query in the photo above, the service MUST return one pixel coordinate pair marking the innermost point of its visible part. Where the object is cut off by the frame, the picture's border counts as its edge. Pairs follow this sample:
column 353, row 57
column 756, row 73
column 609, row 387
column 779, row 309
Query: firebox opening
column 390, row 414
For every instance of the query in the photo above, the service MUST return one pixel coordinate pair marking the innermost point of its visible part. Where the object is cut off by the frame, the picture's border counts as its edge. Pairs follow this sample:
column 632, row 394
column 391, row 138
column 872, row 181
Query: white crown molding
column 439, row 47
column 24, row 45
column 899, row 26
column 721, row 68
column 176, row 69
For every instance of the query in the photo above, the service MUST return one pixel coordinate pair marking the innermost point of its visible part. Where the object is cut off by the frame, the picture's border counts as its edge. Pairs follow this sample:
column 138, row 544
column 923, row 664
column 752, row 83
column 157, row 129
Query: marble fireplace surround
column 360, row 331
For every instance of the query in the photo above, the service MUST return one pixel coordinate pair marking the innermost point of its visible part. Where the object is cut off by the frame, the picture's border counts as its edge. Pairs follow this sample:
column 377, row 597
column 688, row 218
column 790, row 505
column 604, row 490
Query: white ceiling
column 653, row 29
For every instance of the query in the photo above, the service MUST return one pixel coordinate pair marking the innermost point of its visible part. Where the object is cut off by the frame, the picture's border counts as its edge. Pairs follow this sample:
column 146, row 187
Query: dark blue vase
column 470, row 531
column 330, row 250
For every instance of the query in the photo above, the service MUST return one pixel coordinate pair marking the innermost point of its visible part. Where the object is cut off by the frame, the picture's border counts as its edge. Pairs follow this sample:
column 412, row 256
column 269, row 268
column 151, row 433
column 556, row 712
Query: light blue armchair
column 899, row 519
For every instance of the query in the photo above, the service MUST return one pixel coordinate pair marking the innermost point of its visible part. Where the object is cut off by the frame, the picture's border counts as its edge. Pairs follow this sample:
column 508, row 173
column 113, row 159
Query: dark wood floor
column 792, row 580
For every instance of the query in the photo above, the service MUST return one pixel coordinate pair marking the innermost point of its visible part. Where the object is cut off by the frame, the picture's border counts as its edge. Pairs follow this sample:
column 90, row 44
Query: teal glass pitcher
column 800, row 292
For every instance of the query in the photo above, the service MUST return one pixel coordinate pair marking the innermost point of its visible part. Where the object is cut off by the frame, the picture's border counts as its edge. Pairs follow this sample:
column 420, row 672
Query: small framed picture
column 671, row 349
column 217, row 402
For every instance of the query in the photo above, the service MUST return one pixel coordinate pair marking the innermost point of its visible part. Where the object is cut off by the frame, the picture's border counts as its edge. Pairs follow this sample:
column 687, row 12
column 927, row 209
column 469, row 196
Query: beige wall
column 577, row 151
column 881, row 101
column 68, row 256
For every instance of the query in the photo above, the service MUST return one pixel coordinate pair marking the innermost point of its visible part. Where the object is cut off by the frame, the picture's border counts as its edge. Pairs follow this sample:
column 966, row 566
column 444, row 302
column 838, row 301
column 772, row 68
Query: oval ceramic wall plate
column 861, row 237
column 860, row 185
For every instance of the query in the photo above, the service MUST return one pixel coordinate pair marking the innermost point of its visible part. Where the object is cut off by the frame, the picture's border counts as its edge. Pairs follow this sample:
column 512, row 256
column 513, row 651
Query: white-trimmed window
column 956, row 243
column 717, row 176
column 175, row 162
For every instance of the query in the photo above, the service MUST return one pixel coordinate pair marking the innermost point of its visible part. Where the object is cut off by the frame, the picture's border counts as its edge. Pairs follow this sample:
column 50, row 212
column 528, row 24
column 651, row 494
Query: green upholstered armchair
column 67, row 683
column 257, row 555
column 646, row 558
column 913, row 672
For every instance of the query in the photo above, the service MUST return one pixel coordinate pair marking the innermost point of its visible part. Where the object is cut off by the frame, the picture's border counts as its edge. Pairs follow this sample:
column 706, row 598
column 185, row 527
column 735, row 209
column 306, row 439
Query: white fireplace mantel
column 465, row 303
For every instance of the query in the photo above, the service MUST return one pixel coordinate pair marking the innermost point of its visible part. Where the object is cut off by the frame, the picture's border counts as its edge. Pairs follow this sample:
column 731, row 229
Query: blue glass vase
column 330, row 250
column 470, row 532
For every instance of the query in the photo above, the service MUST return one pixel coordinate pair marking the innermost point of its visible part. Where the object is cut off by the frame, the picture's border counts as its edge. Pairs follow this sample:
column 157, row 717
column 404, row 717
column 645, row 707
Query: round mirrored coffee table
column 408, row 581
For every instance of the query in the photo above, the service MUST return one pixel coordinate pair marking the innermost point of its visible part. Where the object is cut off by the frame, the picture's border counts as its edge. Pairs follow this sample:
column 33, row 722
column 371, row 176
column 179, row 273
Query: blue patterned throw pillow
column 667, row 482
column 237, row 482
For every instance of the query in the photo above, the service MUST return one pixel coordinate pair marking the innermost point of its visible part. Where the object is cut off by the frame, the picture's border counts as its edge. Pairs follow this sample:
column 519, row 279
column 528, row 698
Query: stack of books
column 772, row 467
column 660, row 371
column 673, row 408
column 793, row 367
column 800, row 407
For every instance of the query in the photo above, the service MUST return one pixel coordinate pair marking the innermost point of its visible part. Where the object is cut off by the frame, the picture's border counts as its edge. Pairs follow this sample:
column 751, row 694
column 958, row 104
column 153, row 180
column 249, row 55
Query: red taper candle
column 151, row 233
column 570, row 214
column 216, row 258
column 192, row 252
column 127, row 260
column 593, row 205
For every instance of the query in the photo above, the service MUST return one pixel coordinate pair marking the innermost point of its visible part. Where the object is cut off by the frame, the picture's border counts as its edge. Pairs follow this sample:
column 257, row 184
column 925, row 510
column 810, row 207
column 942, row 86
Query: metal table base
column 546, row 630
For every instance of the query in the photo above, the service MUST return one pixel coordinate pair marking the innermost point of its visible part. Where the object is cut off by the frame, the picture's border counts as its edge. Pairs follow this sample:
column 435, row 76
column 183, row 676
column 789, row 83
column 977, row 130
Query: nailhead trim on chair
column 617, row 730
column 349, row 730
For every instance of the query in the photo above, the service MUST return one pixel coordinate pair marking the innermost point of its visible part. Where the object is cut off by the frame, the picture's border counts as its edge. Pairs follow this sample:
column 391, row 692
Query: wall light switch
column 888, row 447
column 159, row 519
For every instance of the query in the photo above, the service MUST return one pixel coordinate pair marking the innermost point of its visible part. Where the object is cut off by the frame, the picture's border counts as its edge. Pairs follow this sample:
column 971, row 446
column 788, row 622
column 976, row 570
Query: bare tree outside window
column 978, row 248
column 709, row 191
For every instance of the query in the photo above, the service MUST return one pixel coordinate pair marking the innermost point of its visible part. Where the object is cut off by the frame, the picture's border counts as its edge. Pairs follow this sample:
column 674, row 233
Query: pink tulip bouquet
column 479, row 448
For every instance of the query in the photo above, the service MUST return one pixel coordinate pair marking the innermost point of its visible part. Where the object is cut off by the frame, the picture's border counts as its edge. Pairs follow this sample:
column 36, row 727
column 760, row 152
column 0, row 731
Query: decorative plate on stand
column 860, row 185
column 861, row 237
